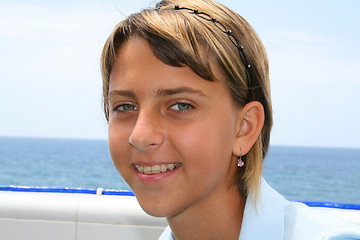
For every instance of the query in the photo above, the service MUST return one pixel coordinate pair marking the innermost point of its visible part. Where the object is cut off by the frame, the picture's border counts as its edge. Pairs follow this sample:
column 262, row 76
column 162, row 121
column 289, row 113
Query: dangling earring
column 240, row 161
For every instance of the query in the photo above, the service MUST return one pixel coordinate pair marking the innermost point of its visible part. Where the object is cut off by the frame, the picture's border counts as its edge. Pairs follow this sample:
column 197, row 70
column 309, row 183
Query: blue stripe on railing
column 118, row 192
column 130, row 193
column 333, row 205
column 66, row 190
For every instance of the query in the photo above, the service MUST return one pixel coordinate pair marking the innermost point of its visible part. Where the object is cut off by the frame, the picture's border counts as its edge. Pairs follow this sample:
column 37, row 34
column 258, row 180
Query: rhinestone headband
column 232, row 38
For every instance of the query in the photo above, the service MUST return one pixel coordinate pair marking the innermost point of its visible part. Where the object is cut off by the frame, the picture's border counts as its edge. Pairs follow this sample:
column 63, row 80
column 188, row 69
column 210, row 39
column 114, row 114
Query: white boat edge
column 62, row 216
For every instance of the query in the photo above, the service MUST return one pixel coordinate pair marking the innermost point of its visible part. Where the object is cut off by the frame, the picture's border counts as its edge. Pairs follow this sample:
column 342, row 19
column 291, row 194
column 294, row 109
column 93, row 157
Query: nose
column 147, row 133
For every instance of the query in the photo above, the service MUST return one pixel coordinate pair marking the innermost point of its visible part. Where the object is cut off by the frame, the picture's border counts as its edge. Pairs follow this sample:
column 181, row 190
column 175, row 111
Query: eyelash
column 178, row 105
column 188, row 106
column 118, row 108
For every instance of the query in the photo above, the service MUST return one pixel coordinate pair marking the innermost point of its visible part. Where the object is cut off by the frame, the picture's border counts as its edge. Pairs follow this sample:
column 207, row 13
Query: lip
column 153, row 178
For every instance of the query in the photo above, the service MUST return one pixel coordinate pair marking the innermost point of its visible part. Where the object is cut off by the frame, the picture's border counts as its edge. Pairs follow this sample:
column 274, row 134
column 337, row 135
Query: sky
column 50, row 82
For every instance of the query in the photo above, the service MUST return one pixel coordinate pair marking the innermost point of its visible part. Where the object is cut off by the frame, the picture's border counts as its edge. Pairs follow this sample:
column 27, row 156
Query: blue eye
column 126, row 107
column 181, row 106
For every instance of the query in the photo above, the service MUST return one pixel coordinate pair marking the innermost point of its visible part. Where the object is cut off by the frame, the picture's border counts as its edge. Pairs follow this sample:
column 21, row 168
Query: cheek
column 118, row 145
column 201, row 142
column 206, row 150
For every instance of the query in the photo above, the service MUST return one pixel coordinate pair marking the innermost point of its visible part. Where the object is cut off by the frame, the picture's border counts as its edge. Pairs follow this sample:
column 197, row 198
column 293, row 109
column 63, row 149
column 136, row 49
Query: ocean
column 298, row 173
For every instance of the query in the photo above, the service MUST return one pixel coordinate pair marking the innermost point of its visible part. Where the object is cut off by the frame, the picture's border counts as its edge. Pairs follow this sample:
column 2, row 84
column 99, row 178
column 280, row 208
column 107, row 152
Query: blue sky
column 50, row 84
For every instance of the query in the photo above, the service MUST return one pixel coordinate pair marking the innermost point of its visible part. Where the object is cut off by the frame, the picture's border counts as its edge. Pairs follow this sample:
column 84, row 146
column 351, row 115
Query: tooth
column 155, row 169
column 163, row 168
column 147, row 169
column 139, row 168
column 170, row 166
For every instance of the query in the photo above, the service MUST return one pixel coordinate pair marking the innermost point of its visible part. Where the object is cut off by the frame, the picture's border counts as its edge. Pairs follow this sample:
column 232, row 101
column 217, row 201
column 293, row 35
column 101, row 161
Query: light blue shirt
column 279, row 219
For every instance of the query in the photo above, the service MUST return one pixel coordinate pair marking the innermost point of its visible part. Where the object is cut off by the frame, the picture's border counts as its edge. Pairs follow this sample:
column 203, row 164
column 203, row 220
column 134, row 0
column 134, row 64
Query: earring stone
column 240, row 162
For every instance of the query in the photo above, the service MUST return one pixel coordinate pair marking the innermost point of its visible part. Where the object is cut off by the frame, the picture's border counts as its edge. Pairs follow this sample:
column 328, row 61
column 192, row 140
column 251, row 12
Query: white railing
column 87, row 214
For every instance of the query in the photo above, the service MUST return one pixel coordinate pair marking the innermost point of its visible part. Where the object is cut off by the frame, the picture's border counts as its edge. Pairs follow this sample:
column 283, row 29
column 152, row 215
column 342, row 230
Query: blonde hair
column 180, row 37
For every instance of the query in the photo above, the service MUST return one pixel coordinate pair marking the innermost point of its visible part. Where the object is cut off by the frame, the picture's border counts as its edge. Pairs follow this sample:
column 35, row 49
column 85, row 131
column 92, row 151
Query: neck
column 218, row 216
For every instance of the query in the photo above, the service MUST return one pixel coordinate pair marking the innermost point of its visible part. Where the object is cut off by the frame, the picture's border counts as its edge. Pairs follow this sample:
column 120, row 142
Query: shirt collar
column 266, row 219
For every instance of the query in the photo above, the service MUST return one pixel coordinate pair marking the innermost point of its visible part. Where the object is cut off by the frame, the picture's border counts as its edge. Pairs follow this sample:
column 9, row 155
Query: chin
column 154, row 210
column 155, row 207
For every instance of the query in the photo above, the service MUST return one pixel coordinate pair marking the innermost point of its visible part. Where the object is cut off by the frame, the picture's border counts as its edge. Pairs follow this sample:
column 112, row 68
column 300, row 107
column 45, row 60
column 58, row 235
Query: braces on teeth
column 157, row 168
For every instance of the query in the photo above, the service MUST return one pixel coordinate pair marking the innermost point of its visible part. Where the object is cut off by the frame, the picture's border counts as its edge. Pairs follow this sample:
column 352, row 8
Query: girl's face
column 171, row 133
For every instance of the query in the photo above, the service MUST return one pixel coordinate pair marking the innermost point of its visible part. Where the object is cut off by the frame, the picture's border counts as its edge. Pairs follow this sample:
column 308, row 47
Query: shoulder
column 303, row 222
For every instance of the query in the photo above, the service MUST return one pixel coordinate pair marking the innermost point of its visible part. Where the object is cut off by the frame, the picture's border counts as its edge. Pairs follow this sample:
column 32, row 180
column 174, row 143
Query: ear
column 250, row 120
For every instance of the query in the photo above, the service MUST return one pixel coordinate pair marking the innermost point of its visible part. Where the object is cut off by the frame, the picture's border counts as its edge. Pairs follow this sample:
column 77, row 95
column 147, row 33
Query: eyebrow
column 174, row 91
column 124, row 93
column 159, row 93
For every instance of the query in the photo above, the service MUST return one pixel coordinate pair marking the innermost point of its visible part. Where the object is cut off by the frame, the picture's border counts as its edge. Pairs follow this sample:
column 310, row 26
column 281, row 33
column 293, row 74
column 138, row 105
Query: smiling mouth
column 155, row 169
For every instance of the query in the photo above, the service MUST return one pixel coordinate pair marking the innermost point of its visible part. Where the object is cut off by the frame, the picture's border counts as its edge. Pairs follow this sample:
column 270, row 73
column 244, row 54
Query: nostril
column 144, row 137
column 145, row 144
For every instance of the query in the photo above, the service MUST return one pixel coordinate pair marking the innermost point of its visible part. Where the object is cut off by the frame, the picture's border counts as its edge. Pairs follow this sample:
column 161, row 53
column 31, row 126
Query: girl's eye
column 181, row 107
column 126, row 107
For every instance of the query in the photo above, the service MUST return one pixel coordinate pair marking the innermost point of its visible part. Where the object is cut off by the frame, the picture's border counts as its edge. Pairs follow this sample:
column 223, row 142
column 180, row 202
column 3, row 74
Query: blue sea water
column 299, row 173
